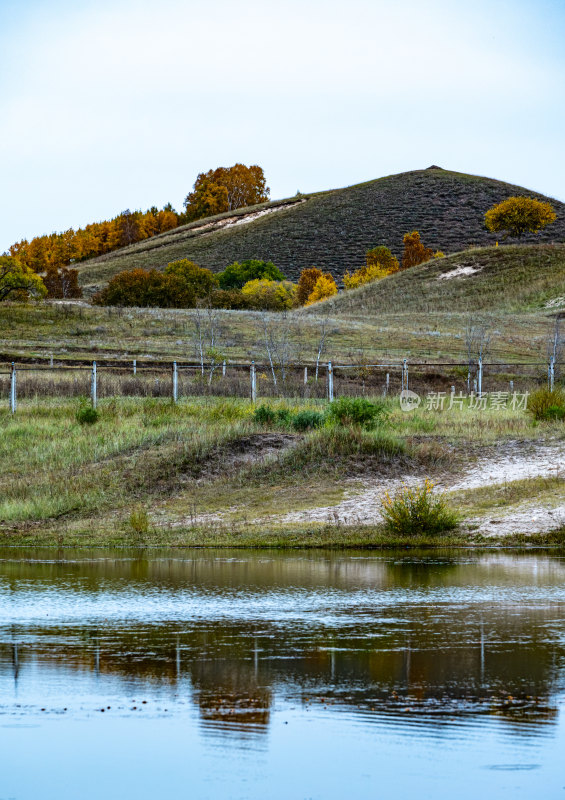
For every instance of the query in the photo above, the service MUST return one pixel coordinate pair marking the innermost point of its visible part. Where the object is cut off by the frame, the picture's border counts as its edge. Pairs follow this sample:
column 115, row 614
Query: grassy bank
column 205, row 472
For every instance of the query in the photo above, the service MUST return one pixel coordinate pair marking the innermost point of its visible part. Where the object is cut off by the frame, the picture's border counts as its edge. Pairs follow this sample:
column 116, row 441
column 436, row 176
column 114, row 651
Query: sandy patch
column 557, row 302
column 517, row 462
column 459, row 272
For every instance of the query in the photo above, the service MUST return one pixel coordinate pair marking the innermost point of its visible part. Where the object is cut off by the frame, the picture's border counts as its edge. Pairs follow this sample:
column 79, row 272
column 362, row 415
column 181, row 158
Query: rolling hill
column 333, row 229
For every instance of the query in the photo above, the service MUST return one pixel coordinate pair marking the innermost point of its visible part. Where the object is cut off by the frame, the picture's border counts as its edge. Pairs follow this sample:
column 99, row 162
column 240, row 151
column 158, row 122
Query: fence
column 256, row 380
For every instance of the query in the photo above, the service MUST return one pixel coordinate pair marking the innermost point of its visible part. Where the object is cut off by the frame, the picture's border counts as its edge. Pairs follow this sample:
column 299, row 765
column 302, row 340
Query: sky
column 112, row 105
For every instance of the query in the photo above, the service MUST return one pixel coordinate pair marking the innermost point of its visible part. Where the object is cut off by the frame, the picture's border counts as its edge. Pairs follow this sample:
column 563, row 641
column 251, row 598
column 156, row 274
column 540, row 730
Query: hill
column 333, row 229
column 501, row 279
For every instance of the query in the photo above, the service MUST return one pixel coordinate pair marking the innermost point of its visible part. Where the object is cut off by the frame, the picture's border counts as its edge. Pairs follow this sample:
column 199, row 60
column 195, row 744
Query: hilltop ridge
column 333, row 229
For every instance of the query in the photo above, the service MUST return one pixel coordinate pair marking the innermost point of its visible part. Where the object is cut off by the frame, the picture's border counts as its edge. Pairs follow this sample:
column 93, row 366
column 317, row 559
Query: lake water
column 214, row 674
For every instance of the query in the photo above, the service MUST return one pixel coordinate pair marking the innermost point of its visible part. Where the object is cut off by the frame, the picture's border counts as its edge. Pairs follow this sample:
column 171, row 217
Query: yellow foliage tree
column 324, row 288
column 519, row 215
column 271, row 295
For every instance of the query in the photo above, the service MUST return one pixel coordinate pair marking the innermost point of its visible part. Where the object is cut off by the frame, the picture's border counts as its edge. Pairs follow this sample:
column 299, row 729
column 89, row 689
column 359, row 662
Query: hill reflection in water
column 429, row 638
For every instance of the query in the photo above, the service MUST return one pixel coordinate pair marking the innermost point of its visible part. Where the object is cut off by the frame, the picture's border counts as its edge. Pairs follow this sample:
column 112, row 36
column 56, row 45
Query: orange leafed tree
column 225, row 189
column 414, row 251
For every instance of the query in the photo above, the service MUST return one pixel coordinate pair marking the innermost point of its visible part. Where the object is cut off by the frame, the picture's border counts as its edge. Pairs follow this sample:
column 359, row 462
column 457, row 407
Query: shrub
column 417, row 511
column 140, row 287
column 546, row 404
column 237, row 275
column 324, row 288
column 382, row 257
column 86, row 414
column 306, row 283
column 357, row 411
column 365, row 275
column 270, row 295
column 414, row 251
column 202, row 281
column 264, row 415
column 139, row 520
column 229, row 298
column 306, row 420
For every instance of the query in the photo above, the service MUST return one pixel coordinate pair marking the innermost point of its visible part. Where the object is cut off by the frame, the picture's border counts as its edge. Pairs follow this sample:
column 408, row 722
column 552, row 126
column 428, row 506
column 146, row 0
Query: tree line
column 214, row 192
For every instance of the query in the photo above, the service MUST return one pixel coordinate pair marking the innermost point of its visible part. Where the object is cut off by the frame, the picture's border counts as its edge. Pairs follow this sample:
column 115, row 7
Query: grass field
column 333, row 229
column 416, row 314
column 204, row 472
column 512, row 278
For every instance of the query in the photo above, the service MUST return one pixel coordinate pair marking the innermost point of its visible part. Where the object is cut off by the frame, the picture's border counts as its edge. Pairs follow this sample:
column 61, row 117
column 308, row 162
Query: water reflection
column 424, row 637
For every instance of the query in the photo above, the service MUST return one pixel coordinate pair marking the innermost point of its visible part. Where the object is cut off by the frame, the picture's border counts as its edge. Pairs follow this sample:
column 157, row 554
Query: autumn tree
column 384, row 258
column 140, row 287
column 62, row 284
column 270, row 295
column 19, row 281
column 414, row 251
column 324, row 288
column 201, row 280
column 225, row 189
column 519, row 215
column 306, row 283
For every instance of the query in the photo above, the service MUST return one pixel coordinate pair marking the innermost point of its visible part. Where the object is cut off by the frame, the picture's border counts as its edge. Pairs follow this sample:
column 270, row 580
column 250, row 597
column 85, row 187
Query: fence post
column 51, row 360
column 387, row 387
column 405, row 374
column 253, row 382
column 175, row 382
column 93, row 387
column 480, row 377
column 224, row 370
column 551, row 374
column 13, row 397
column 305, row 375
column 135, row 366
column 330, row 382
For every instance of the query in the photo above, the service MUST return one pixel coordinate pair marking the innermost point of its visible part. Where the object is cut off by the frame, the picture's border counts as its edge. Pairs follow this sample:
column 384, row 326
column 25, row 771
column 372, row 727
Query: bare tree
column 208, row 335
column 477, row 344
column 278, row 343
column 324, row 334
column 556, row 342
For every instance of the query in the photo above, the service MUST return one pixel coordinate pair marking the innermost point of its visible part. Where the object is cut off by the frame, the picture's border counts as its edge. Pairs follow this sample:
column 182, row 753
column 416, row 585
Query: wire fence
column 175, row 380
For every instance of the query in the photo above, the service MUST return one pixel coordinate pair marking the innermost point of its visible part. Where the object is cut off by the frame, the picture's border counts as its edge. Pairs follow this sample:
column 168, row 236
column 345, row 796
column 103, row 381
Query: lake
column 259, row 674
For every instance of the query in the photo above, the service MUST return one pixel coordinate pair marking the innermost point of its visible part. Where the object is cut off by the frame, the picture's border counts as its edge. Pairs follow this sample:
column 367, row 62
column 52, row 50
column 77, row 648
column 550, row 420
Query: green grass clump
column 307, row 420
column 266, row 415
column 417, row 511
column 86, row 414
column 547, row 404
column 357, row 412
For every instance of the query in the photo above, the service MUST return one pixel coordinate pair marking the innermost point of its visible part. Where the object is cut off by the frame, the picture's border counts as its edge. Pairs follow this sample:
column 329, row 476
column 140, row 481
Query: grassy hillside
column 490, row 279
column 333, row 229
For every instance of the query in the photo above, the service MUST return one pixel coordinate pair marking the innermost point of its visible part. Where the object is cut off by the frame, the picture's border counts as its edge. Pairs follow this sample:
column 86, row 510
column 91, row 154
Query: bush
column 265, row 415
column 270, row 295
column 417, row 511
column 202, row 281
column 324, row 288
column 237, row 275
column 141, row 287
column 229, row 298
column 86, row 414
column 306, row 420
column 544, row 404
column 357, row 411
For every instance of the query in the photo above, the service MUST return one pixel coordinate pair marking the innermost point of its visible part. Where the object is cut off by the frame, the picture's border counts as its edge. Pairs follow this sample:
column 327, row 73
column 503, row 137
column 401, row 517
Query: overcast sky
column 113, row 105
